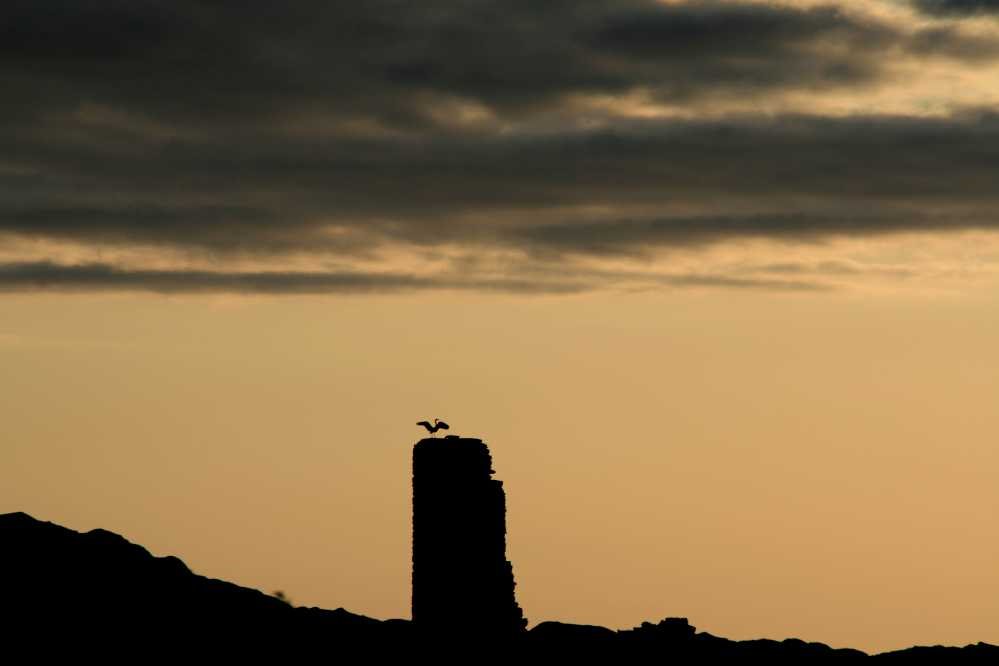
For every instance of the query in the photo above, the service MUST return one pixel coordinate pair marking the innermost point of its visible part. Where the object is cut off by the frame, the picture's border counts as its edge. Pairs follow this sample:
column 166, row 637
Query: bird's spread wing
column 425, row 424
column 441, row 424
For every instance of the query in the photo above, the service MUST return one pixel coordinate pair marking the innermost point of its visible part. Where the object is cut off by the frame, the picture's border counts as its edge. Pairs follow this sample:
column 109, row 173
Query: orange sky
column 768, row 465
column 717, row 281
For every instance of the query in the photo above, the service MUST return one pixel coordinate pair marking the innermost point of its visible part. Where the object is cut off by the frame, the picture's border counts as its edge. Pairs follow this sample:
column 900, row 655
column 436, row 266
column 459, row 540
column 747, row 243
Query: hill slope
column 97, row 589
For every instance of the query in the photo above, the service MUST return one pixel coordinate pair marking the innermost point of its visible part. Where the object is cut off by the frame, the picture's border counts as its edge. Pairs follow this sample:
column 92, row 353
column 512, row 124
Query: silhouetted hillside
column 97, row 586
column 97, row 593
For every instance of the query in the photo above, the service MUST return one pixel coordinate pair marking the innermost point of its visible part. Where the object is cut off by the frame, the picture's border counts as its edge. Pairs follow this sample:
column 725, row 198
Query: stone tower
column 462, row 580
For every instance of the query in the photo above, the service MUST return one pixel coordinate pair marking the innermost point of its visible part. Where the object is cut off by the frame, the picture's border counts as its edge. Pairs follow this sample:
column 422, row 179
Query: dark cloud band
column 850, row 176
column 345, row 129
column 48, row 276
column 193, row 66
column 958, row 7
column 639, row 236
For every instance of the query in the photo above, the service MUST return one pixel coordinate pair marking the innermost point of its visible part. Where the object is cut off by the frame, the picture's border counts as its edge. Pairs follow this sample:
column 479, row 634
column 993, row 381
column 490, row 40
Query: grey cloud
column 833, row 268
column 843, row 176
column 950, row 42
column 635, row 237
column 225, row 67
column 107, row 277
column 745, row 46
column 316, row 126
column 729, row 282
column 958, row 7
column 219, row 227
column 49, row 276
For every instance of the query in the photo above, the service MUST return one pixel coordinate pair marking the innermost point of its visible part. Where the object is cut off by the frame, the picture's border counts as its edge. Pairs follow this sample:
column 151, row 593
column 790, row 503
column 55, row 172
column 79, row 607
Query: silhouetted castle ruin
column 461, row 577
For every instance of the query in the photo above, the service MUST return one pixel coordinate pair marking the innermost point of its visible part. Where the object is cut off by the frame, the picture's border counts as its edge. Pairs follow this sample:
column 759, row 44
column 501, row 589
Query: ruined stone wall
column 461, row 577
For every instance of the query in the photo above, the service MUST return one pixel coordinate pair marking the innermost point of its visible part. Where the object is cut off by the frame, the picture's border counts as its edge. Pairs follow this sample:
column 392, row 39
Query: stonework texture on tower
column 461, row 577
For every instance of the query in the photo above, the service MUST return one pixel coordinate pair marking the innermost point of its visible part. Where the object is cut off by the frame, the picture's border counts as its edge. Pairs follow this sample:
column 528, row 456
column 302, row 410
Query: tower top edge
column 450, row 439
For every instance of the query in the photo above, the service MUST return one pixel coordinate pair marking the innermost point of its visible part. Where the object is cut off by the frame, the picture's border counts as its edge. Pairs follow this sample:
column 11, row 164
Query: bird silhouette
column 435, row 426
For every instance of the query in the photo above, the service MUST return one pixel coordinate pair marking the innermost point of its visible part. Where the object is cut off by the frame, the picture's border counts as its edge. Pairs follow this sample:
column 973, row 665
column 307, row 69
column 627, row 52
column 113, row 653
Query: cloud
column 195, row 66
column 797, row 176
column 32, row 276
column 957, row 7
column 639, row 236
column 350, row 133
column 48, row 276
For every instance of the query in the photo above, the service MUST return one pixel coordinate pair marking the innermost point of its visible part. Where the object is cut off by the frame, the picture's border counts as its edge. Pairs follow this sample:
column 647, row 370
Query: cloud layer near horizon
column 387, row 146
column 958, row 7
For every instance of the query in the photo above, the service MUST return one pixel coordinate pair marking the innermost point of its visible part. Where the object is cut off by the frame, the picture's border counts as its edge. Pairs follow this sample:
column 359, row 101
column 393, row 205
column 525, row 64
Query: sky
column 717, row 282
